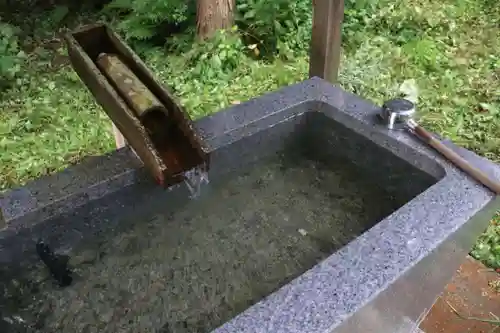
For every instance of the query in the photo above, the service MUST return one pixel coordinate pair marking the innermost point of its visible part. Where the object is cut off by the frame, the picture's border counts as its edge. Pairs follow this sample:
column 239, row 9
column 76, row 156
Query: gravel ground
column 193, row 270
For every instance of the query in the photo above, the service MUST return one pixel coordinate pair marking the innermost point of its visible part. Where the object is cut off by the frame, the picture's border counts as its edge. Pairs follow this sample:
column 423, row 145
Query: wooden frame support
column 120, row 140
column 3, row 224
column 326, row 39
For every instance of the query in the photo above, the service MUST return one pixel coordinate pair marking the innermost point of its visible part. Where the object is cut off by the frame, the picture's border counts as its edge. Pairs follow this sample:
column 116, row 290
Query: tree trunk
column 212, row 15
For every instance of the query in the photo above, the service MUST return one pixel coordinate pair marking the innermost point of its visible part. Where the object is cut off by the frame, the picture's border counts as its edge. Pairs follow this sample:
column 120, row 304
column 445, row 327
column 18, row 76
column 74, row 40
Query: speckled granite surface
column 388, row 275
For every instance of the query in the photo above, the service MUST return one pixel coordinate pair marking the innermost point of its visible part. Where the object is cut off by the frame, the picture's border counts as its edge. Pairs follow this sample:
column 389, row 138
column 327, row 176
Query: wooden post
column 120, row 140
column 326, row 39
column 3, row 223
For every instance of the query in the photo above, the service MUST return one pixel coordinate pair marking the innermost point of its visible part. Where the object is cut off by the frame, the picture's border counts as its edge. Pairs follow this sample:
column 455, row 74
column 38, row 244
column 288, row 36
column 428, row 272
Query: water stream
column 195, row 179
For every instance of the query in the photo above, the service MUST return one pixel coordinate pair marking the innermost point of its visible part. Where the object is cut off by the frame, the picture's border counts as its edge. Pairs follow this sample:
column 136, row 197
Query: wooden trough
column 162, row 137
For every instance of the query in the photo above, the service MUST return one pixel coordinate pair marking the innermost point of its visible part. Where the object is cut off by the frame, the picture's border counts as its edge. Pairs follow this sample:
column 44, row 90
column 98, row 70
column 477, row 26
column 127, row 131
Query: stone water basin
column 316, row 219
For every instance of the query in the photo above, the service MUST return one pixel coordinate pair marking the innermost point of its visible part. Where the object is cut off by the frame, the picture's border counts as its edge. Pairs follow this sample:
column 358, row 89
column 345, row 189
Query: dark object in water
column 57, row 265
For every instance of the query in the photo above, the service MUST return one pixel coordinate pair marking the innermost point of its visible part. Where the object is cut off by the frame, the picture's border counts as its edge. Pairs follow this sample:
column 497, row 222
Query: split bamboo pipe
column 135, row 93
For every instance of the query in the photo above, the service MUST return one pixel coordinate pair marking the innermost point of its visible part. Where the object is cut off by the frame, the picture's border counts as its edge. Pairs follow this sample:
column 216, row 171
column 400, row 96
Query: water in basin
column 196, row 268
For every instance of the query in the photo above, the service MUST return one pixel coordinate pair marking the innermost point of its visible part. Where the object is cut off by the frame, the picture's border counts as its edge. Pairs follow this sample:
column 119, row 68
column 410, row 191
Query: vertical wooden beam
column 120, row 140
column 3, row 224
column 326, row 39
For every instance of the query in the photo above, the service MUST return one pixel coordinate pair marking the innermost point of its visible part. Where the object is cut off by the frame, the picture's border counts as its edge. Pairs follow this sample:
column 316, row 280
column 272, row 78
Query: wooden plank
column 120, row 140
column 326, row 39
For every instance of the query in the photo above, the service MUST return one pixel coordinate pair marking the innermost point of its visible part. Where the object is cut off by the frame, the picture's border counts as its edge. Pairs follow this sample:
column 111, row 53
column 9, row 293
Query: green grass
column 48, row 123
column 487, row 247
column 450, row 48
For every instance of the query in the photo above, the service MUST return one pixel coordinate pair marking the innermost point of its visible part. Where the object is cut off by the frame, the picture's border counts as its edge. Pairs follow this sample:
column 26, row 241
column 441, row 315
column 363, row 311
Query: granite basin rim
column 334, row 293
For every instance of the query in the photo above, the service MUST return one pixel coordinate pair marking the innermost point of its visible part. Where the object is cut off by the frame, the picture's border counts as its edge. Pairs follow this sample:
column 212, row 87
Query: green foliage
column 144, row 19
column 47, row 123
column 250, row 78
column 357, row 16
column 425, row 53
column 216, row 57
column 10, row 54
column 280, row 26
column 487, row 249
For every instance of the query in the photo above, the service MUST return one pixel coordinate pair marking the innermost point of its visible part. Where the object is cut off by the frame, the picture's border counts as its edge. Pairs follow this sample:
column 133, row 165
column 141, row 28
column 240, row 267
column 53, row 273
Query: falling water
column 194, row 179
